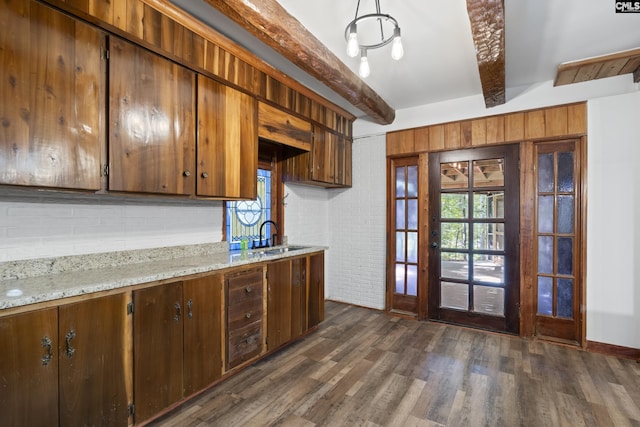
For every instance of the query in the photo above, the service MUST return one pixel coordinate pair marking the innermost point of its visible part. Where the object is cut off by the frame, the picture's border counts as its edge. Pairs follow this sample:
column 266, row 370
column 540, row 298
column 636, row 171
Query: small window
column 244, row 217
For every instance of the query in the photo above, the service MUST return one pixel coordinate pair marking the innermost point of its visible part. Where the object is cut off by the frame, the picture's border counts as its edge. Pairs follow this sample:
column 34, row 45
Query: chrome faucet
column 273, row 236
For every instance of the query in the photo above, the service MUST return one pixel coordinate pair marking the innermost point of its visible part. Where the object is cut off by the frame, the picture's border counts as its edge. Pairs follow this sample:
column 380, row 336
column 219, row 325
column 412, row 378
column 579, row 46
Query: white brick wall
column 44, row 228
column 352, row 222
column 357, row 224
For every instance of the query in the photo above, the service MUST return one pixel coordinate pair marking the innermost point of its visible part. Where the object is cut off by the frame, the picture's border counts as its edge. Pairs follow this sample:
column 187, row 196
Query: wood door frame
column 527, row 223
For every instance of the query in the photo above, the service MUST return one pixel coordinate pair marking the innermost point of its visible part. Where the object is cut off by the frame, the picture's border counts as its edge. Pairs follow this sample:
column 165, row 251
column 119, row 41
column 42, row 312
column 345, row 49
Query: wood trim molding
column 614, row 350
column 271, row 23
column 487, row 27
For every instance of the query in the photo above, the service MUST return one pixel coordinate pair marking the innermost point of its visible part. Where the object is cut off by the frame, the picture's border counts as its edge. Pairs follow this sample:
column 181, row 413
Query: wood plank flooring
column 363, row 368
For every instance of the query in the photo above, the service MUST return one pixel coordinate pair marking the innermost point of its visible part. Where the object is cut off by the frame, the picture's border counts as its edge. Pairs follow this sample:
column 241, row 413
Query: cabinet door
column 95, row 362
column 52, row 98
column 152, row 122
column 157, row 334
column 298, row 296
column 316, row 289
column 343, row 160
column 279, row 295
column 29, row 369
column 323, row 159
column 227, row 141
column 202, row 332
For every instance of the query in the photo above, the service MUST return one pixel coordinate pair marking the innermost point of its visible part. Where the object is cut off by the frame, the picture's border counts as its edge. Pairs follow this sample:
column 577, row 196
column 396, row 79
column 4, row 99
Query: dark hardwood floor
column 363, row 368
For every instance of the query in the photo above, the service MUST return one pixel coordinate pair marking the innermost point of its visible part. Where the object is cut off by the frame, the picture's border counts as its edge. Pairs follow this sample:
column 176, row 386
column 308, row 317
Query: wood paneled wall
column 162, row 27
column 546, row 123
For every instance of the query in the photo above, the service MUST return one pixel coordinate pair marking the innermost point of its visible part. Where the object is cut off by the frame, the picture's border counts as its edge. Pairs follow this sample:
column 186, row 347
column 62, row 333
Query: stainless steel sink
column 281, row 250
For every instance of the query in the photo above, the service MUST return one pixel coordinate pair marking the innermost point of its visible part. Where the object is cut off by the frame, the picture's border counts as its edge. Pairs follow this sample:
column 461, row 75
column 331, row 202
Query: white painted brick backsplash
column 351, row 222
column 38, row 229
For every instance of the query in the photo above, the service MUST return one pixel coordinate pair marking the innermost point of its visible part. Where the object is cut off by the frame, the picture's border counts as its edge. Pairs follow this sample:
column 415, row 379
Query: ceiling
column 440, row 58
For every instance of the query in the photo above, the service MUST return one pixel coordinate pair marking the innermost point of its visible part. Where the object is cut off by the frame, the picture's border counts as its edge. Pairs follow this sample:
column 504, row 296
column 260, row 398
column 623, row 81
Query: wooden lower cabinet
column 316, row 290
column 157, row 335
column 29, row 369
column 286, row 301
column 122, row 359
column 68, row 365
column 177, row 342
column 245, row 302
column 202, row 363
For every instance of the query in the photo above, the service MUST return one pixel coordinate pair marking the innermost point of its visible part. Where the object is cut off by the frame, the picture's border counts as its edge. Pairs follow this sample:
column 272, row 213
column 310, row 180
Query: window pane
column 565, row 214
column 245, row 217
column 488, row 204
column 400, row 214
column 454, row 265
column 399, row 278
column 454, row 205
column 488, row 300
column 412, row 181
column 488, row 173
column 400, row 246
column 488, row 268
column 545, row 214
column 565, row 172
column 454, row 175
column 454, row 235
column 565, row 298
column 545, row 296
column 412, row 247
column 488, row 236
column 454, row 295
column 565, row 255
column 545, row 254
column 545, row 172
column 412, row 214
column 400, row 181
column 412, row 280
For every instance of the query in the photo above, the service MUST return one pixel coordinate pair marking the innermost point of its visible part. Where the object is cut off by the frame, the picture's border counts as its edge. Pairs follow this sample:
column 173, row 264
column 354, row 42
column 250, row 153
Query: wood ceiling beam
column 270, row 23
column 487, row 27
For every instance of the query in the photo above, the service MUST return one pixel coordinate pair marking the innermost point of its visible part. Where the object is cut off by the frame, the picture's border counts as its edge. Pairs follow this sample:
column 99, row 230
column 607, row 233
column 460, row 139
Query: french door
column 402, row 282
column 473, row 237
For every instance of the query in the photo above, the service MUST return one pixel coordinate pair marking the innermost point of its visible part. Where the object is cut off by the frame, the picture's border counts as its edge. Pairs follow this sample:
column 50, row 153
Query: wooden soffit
column 599, row 67
column 271, row 23
column 487, row 27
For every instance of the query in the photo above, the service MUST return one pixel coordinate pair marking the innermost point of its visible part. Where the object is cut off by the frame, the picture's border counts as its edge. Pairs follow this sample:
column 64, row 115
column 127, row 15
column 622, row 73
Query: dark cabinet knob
column 434, row 245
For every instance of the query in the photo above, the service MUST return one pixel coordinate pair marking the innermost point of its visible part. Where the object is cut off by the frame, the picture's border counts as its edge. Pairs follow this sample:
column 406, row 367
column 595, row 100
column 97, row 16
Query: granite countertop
column 32, row 281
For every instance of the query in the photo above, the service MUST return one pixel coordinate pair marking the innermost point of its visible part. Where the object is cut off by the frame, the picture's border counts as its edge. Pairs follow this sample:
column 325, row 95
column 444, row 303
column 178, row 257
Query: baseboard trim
column 614, row 350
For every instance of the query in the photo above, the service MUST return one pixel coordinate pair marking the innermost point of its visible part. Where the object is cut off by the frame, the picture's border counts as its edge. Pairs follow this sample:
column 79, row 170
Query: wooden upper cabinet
column 52, row 97
column 282, row 127
column 227, row 141
column 152, row 122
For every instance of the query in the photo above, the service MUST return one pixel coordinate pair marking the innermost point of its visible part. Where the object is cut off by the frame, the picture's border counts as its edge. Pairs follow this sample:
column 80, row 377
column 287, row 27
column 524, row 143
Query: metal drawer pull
column 248, row 315
column 48, row 355
column 178, row 312
column 189, row 307
column 67, row 339
column 248, row 340
column 247, row 289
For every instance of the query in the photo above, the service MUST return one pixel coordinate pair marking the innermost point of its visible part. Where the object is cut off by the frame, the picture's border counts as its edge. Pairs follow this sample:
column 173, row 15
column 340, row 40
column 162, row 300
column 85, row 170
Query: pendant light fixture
column 355, row 46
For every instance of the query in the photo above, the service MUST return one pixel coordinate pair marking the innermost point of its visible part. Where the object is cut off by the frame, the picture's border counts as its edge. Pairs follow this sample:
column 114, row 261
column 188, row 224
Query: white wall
column 613, row 221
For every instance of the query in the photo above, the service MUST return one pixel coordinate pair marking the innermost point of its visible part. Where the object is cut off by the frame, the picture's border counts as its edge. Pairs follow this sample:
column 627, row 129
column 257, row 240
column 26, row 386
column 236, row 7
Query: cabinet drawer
column 244, row 313
column 244, row 287
column 244, row 344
